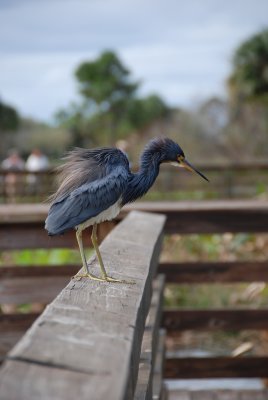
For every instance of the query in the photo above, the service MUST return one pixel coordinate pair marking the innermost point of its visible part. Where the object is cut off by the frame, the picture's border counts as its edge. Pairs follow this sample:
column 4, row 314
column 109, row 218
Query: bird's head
column 171, row 152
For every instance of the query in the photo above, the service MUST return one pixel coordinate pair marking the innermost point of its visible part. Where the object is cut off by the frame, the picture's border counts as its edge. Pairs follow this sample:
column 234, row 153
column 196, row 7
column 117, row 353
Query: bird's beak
column 185, row 164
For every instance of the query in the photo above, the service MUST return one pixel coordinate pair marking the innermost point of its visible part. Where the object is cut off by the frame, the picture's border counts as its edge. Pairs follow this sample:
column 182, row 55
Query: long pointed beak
column 185, row 164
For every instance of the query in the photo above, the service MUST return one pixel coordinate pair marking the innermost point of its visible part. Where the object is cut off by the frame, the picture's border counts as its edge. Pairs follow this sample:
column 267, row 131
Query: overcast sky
column 179, row 49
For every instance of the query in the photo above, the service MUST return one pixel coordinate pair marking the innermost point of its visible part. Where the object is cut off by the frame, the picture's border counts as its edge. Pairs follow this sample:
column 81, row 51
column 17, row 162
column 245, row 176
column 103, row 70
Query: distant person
column 13, row 162
column 37, row 161
column 13, row 181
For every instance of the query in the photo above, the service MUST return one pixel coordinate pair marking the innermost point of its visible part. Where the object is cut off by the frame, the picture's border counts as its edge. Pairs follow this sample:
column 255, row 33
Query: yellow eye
column 180, row 158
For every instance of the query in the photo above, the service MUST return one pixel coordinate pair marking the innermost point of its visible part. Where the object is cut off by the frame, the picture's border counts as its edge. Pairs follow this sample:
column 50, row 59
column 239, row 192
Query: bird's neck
column 140, row 182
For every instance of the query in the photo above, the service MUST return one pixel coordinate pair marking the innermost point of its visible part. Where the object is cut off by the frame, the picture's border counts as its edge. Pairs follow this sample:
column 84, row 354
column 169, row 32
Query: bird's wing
column 80, row 167
column 86, row 202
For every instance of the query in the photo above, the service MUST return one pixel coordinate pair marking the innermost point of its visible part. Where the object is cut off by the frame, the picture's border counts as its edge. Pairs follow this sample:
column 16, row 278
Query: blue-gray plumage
column 97, row 183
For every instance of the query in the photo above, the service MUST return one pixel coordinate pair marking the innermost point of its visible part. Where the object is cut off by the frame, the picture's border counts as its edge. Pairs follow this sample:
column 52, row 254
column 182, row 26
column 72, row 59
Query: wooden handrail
column 23, row 224
column 230, row 180
column 87, row 343
column 249, row 165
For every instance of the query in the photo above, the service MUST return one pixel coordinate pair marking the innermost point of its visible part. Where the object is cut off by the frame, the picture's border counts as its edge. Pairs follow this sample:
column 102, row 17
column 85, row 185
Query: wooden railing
column 230, row 180
column 98, row 341
column 41, row 283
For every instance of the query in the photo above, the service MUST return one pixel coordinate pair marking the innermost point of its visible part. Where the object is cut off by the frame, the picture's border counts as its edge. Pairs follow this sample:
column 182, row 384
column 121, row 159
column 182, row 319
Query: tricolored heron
column 97, row 183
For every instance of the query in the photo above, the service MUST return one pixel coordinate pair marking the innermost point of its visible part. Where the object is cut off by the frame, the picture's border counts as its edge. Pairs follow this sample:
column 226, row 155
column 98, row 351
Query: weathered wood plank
column 31, row 290
column 34, row 283
column 253, row 395
column 38, row 271
column 32, row 235
column 16, row 322
column 218, row 394
column 158, row 383
column 182, row 217
column 211, row 216
column 12, row 328
column 214, row 319
column 150, row 342
column 28, row 284
column 206, row 272
column 26, row 380
column 94, row 329
column 216, row 367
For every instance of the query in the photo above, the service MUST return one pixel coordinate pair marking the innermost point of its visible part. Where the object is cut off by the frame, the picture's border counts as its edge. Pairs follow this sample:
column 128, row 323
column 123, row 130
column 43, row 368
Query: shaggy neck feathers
column 140, row 182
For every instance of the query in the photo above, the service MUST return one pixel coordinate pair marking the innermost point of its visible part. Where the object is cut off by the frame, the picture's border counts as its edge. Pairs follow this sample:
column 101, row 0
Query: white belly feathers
column 106, row 215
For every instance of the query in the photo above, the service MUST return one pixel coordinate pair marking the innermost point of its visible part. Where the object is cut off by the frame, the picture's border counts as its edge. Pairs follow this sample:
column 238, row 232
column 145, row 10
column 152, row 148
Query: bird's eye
column 180, row 158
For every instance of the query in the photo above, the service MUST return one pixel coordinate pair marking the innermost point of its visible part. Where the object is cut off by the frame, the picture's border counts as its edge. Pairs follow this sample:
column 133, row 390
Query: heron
column 96, row 183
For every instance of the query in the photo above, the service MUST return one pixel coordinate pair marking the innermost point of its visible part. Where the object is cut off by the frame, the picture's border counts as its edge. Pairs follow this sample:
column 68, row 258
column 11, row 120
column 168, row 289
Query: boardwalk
column 23, row 227
column 219, row 395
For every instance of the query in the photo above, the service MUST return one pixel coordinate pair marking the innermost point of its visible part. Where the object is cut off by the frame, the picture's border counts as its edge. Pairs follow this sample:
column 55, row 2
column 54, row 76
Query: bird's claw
column 103, row 279
column 110, row 279
column 87, row 275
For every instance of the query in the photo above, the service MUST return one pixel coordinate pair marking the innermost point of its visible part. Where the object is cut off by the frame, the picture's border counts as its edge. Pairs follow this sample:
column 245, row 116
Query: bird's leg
column 81, row 248
column 94, row 241
column 85, row 266
column 105, row 277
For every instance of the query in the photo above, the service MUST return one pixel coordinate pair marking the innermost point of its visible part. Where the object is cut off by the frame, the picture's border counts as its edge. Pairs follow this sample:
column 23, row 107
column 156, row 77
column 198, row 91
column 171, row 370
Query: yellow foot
column 109, row 279
column 104, row 279
column 90, row 276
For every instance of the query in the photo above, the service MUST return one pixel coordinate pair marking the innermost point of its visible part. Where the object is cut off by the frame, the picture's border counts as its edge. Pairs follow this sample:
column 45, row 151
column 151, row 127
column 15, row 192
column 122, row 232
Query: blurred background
column 77, row 73
column 118, row 73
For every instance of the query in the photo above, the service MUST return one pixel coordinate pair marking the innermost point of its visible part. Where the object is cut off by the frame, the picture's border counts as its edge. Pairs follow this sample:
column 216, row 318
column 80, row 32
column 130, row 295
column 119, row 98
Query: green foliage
column 110, row 108
column 42, row 257
column 246, row 132
column 9, row 118
column 105, row 81
column 140, row 112
column 250, row 68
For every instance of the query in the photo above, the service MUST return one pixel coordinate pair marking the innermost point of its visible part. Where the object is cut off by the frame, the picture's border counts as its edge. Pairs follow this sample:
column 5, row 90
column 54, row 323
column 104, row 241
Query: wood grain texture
column 92, row 332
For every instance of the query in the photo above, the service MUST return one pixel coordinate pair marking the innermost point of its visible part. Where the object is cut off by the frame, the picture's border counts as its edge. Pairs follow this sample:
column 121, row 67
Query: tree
column 9, row 118
column 142, row 111
column 106, row 86
column 105, row 81
column 110, row 108
column 246, row 132
column 249, row 80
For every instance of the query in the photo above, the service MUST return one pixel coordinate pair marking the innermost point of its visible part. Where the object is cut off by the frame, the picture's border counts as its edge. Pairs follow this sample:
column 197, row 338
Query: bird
column 96, row 183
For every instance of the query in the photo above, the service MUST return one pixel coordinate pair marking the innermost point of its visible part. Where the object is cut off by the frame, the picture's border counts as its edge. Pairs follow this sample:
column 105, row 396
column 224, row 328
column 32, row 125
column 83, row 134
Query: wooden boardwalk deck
column 219, row 395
